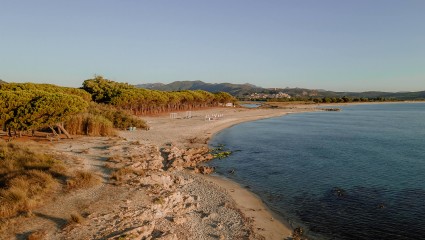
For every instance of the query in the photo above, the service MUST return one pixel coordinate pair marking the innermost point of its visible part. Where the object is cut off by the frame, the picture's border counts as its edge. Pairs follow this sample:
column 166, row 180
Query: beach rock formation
column 185, row 158
column 204, row 169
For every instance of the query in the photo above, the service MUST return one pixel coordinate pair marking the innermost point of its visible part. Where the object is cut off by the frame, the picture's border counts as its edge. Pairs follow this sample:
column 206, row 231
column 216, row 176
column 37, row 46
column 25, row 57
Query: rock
column 168, row 237
column 381, row 206
column 179, row 220
column 204, row 169
column 186, row 158
column 139, row 232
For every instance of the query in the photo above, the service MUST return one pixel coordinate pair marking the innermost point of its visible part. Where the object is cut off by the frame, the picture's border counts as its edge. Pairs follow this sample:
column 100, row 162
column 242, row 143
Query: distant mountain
column 1, row 81
column 245, row 90
column 234, row 89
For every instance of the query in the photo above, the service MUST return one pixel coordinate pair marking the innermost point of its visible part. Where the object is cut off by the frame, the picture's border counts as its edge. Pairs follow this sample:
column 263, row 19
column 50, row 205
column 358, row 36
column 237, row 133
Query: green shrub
column 120, row 118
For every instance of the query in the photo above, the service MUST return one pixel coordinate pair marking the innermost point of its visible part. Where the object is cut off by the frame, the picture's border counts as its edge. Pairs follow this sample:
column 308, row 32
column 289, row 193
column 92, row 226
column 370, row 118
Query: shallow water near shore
column 354, row 174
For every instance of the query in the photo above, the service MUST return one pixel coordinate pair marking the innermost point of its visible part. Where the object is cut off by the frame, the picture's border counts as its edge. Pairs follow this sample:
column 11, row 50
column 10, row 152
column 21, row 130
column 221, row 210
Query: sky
column 356, row 45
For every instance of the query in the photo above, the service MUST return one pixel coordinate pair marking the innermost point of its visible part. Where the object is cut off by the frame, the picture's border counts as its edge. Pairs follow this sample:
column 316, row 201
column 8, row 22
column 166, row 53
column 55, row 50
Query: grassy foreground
column 28, row 175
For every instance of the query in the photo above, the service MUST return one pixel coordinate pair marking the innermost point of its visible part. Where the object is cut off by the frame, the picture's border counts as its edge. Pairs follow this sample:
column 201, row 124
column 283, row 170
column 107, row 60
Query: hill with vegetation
column 233, row 89
column 250, row 92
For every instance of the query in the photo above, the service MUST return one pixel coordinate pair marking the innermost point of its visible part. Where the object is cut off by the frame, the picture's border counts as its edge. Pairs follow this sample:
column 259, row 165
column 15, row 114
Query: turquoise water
column 354, row 174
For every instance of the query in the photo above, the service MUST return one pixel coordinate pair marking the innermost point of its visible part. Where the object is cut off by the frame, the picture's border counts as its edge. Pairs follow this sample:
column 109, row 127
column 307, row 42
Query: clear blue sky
column 328, row 44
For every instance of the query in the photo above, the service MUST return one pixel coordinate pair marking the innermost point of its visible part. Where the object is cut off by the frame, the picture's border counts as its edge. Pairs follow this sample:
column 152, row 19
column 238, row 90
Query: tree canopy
column 143, row 101
column 46, row 88
column 34, row 109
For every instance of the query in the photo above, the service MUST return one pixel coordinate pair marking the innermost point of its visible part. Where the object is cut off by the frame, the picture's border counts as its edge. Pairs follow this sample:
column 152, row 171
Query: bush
column 89, row 124
column 101, row 119
column 120, row 118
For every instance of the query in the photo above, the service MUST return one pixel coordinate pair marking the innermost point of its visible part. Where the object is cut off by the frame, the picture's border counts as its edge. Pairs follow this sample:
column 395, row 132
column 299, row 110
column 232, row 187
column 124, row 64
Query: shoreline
column 160, row 191
column 264, row 221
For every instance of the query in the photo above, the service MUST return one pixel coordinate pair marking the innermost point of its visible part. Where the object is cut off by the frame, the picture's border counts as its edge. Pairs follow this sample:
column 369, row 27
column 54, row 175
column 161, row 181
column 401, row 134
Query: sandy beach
column 151, row 186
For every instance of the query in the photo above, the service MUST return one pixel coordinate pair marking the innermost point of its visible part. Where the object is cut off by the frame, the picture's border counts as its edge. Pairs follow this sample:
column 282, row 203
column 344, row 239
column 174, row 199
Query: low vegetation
column 26, row 177
column 125, row 173
column 89, row 124
column 76, row 218
column 220, row 152
column 120, row 118
column 37, row 235
column 83, row 179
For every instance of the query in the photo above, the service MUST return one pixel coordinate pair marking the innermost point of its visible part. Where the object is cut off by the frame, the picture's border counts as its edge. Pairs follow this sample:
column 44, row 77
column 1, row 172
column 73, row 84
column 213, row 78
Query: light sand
column 179, row 131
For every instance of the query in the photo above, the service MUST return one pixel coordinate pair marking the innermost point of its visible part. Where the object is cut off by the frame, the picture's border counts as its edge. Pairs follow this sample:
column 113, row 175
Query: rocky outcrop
column 185, row 158
column 204, row 169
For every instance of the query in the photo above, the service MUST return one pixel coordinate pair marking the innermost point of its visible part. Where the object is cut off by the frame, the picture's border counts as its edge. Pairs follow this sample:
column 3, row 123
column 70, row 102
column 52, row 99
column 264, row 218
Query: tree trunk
column 64, row 131
column 53, row 131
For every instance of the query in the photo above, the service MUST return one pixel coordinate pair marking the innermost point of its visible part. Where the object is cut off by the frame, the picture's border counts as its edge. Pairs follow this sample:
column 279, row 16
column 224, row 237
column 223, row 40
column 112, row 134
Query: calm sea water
column 354, row 174
column 250, row 105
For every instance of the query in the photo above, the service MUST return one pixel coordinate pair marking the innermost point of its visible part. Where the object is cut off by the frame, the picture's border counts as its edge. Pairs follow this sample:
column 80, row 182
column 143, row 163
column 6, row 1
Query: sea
column 354, row 174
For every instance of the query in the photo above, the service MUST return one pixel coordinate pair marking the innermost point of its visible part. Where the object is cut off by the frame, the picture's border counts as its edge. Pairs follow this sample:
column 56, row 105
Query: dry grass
column 120, row 174
column 38, row 235
column 76, row 218
column 115, row 159
column 83, row 179
column 26, row 177
column 158, row 200
column 91, row 125
column 101, row 120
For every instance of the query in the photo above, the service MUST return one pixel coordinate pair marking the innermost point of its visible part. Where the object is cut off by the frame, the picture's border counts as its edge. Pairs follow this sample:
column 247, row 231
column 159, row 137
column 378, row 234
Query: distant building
column 267, row 95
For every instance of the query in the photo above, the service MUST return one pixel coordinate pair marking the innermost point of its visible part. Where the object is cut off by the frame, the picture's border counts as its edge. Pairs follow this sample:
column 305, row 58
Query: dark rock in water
column 339, row 192
column 298, row 233
column 232, row 171
column 332, row 109
column 381, row 205
column 248, row 187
